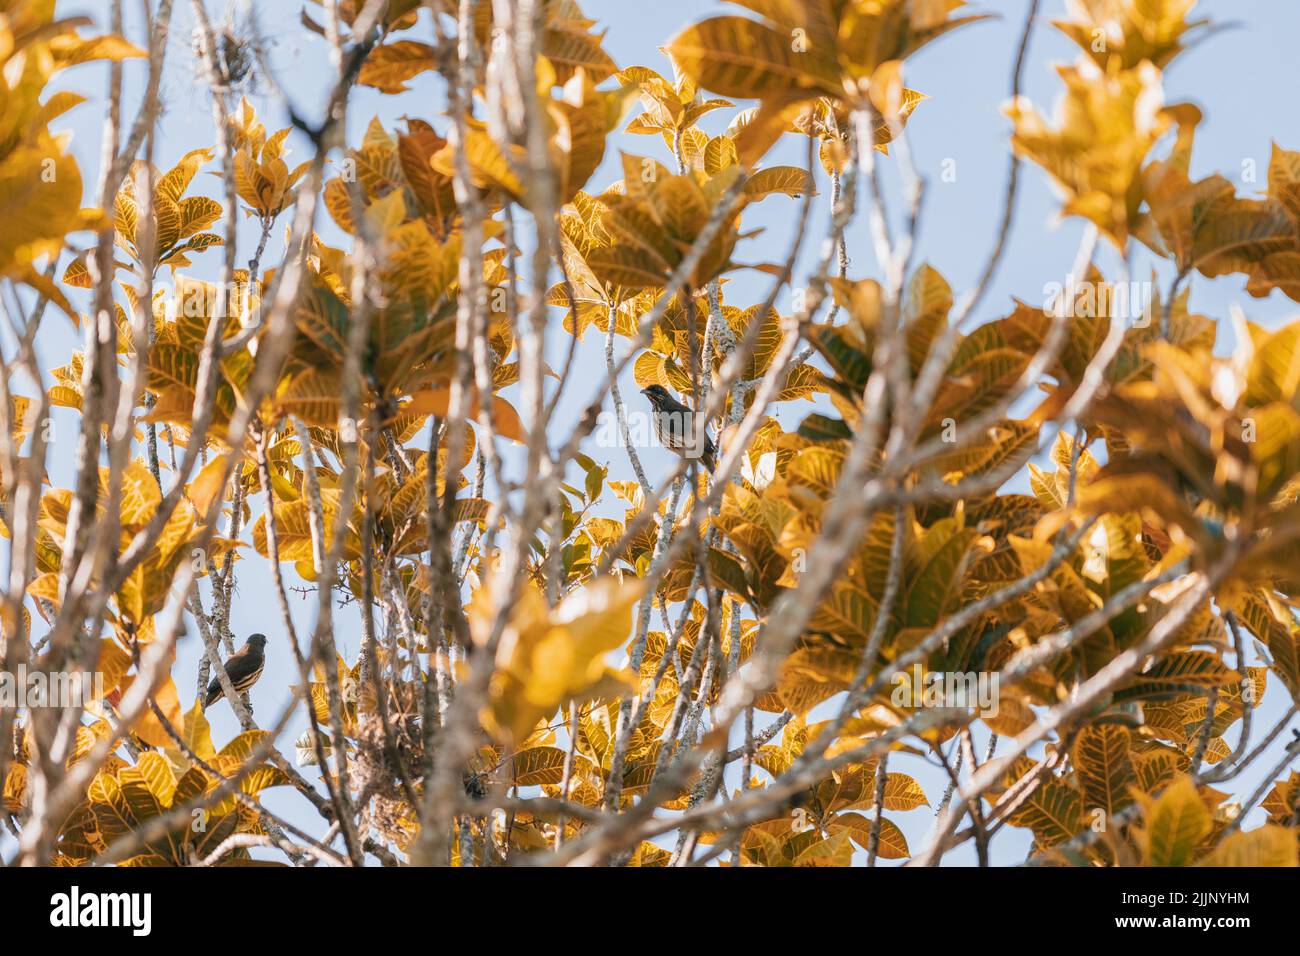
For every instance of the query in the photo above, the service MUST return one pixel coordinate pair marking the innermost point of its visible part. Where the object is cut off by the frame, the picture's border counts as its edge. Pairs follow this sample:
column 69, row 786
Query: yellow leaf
column 69, row 49
column 207, row 485
column 1105, row 129
column 1174, row 824
column 435, row 401
column 549, row 656
column 1269, row 845
column 1105, row 767
column 387, row 213
column 148, row 727
column 388, row 67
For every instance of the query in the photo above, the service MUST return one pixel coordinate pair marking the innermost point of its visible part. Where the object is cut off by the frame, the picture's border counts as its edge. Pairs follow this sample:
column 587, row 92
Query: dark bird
column 675, row 427
column 244, row 667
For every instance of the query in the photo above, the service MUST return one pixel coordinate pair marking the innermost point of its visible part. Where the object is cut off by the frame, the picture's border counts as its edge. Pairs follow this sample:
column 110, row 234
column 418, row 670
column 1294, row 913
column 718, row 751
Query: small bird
column 675, row 427
column 244, row 667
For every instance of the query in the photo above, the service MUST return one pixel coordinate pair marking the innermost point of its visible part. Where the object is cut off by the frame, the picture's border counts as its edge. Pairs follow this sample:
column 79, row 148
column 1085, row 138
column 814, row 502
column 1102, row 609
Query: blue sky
column 1244, row 79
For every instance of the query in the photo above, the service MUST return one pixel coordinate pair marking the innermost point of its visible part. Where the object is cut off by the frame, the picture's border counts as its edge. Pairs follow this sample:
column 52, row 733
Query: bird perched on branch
column 675, row 427
column 244, row 667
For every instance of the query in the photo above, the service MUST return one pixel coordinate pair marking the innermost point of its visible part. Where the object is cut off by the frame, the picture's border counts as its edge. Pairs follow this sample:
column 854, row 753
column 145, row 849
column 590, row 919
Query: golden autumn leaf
column 436, row 400
column 1268, row 845
column 1105, row 127
column 550, row 656
column 1173, row 825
